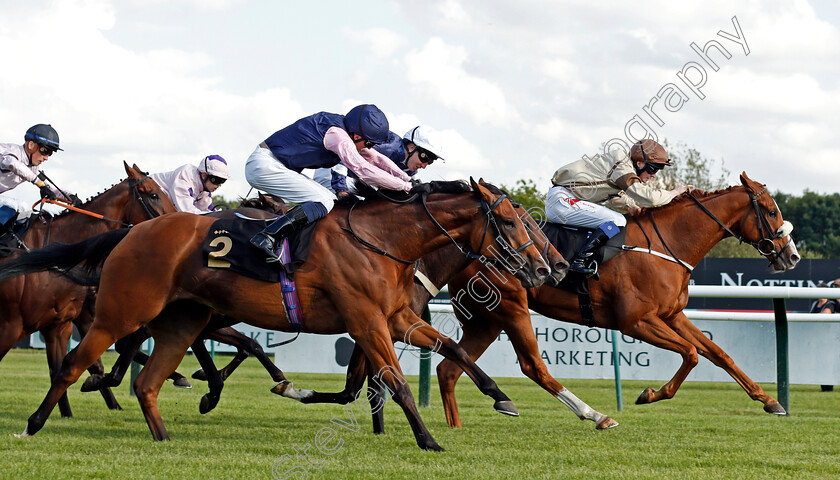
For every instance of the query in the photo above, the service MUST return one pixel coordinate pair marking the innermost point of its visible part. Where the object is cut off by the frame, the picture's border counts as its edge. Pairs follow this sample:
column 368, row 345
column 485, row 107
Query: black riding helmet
column 43, row 134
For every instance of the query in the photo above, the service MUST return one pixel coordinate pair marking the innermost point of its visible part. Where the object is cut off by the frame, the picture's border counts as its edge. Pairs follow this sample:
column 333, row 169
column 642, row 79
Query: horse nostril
column 560, row 266
column 543, row 272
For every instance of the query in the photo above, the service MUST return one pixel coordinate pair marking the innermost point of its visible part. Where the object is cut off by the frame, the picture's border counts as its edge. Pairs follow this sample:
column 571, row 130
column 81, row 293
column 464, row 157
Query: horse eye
column 509, row 223
column 773, row 213
column 154, row 196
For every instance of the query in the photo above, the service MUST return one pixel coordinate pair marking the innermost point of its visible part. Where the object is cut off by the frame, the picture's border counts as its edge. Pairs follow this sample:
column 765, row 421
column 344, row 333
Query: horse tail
column 89, row 254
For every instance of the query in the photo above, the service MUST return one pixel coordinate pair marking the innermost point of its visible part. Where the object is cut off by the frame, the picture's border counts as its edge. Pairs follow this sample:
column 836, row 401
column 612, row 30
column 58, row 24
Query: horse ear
column 472, row 183
column 745, row 179
column 133, row 173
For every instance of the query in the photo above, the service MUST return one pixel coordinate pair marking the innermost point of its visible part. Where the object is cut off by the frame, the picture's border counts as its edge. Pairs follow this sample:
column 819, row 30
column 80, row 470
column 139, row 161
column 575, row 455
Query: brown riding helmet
column 648, row 151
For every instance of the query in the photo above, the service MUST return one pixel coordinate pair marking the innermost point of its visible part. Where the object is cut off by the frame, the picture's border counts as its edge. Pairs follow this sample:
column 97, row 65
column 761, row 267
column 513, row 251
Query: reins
column 488, row 210
column 61, row 202
column 763, row 226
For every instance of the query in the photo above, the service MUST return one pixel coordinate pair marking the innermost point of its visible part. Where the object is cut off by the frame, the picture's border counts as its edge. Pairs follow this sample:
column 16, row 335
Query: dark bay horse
column 638, row 294
column 342, row 288
column 49, row 303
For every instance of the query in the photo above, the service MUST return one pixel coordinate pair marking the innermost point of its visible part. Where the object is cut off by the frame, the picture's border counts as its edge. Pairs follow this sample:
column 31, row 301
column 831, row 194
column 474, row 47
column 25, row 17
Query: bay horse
column 342, row 288
column 219, row 329
column 439, row 268
column 640, row 295
column 46, row 303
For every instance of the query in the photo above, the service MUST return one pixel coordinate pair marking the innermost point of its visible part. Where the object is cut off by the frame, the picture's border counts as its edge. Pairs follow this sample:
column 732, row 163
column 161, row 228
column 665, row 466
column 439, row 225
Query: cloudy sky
column 516, row 89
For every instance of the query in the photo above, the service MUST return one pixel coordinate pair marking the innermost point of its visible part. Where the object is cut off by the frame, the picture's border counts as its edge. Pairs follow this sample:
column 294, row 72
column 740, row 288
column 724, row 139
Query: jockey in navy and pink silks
column 21, row 163
column 189, row 187
column 317, row 141
column 415, row 150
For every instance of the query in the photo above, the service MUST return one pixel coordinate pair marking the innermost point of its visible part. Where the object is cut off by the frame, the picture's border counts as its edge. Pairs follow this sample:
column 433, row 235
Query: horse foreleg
column 127, row 347
column 379, row 349
column 412, row 330
column 57, row 339
column 83, row 323
column 174, row 330
column 247, row 345
column 376, row 394
column 214, row 379
column 92, row 347
column 475, row 338
column 653, row 330
column 352, row 385
column 521, row 335
column 687, row 330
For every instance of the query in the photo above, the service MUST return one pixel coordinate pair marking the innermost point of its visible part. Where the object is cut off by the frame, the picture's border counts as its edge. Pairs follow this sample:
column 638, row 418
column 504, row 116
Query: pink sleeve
column 337, row 141
column 384, row 163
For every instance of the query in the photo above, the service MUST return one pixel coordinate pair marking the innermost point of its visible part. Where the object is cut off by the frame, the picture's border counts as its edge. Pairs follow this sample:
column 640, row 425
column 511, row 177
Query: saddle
column 12, row 234
column 568, row 241
column 227, row 245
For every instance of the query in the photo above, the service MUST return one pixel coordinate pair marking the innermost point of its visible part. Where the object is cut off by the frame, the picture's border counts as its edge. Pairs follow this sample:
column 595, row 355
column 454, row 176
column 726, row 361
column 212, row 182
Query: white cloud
column 382, row 42
column 439, row 69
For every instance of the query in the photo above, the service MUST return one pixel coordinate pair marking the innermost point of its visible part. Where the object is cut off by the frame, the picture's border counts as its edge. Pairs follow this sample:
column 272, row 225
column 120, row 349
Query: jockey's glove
column 75, row 199
column 47, row 193
column 421, row 188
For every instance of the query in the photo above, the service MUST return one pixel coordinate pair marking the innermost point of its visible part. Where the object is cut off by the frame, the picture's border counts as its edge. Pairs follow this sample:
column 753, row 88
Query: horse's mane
column 696, row 193
column 103, row 192
column 436, row 186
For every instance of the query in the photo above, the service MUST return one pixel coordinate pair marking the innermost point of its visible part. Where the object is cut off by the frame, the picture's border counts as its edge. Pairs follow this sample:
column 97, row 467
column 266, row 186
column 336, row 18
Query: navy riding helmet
column 369, row 122
column 43, row 134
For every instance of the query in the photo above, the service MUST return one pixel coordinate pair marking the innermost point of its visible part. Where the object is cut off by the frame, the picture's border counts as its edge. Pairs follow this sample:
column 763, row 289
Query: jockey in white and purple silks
column 189, row 186
column 317, row 141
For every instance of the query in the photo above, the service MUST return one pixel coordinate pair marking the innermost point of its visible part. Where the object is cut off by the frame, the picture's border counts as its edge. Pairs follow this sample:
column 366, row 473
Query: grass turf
column 709, row 430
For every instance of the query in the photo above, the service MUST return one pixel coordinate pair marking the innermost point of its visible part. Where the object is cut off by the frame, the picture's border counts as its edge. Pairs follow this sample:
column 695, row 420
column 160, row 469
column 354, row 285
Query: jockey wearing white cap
column 189, row 187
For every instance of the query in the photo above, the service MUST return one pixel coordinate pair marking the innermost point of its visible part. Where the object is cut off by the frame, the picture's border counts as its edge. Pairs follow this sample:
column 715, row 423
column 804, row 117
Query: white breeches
column 266, row 173
column 561, row 206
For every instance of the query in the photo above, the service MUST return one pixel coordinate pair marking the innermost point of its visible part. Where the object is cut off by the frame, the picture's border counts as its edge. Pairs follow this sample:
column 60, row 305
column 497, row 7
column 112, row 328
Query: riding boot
column 582, row 262
column 267, row 239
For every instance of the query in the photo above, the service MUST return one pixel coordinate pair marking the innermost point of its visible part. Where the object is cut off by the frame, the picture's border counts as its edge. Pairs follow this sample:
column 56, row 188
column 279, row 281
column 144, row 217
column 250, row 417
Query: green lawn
column 709, row 430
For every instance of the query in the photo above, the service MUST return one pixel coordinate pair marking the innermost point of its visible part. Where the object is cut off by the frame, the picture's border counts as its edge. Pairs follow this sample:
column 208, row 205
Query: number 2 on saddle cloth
column 227, row 246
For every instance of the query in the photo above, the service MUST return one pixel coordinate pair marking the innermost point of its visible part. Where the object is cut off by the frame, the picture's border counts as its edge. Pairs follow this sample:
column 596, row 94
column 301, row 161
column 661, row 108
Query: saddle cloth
column 228, row 245
column 568, row 241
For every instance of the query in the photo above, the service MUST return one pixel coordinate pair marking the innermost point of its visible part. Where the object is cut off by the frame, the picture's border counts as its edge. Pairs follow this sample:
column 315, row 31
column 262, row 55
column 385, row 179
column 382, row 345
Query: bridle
column 138, row 198
column 767, row 234
column 511, row 253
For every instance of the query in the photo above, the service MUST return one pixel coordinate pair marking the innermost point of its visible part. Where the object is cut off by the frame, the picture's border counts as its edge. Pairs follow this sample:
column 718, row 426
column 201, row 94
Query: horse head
column 765, row 228
column 147, row 198
column 559, row 265
column 509, row 243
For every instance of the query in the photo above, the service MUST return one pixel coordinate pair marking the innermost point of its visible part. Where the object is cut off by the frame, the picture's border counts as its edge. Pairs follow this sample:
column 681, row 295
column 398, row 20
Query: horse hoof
column 506, row 407
column 24, row 434
column 606, row 423
column 281, row 387
column 182, row 383
column 645, row 397
column 199, row 375
column 775, row 408
column 285, row 389
column 207, row 404
column 92, row 383
column 115, row 406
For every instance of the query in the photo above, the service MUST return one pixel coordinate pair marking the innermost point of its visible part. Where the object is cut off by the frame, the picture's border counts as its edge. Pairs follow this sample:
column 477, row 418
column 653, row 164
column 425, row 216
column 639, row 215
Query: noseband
column 138, row 198
column 511, row 254
column 765, row 246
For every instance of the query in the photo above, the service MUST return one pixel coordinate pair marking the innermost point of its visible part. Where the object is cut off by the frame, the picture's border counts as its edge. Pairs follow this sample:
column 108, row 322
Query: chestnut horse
column 638, row 294
column 342, row 288
column 439, row 268
column 47, row 303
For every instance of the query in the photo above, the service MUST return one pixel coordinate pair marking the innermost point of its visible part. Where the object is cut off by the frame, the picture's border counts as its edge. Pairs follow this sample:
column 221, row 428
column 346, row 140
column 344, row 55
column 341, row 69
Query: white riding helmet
column 214, row 165
column 425, row 138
